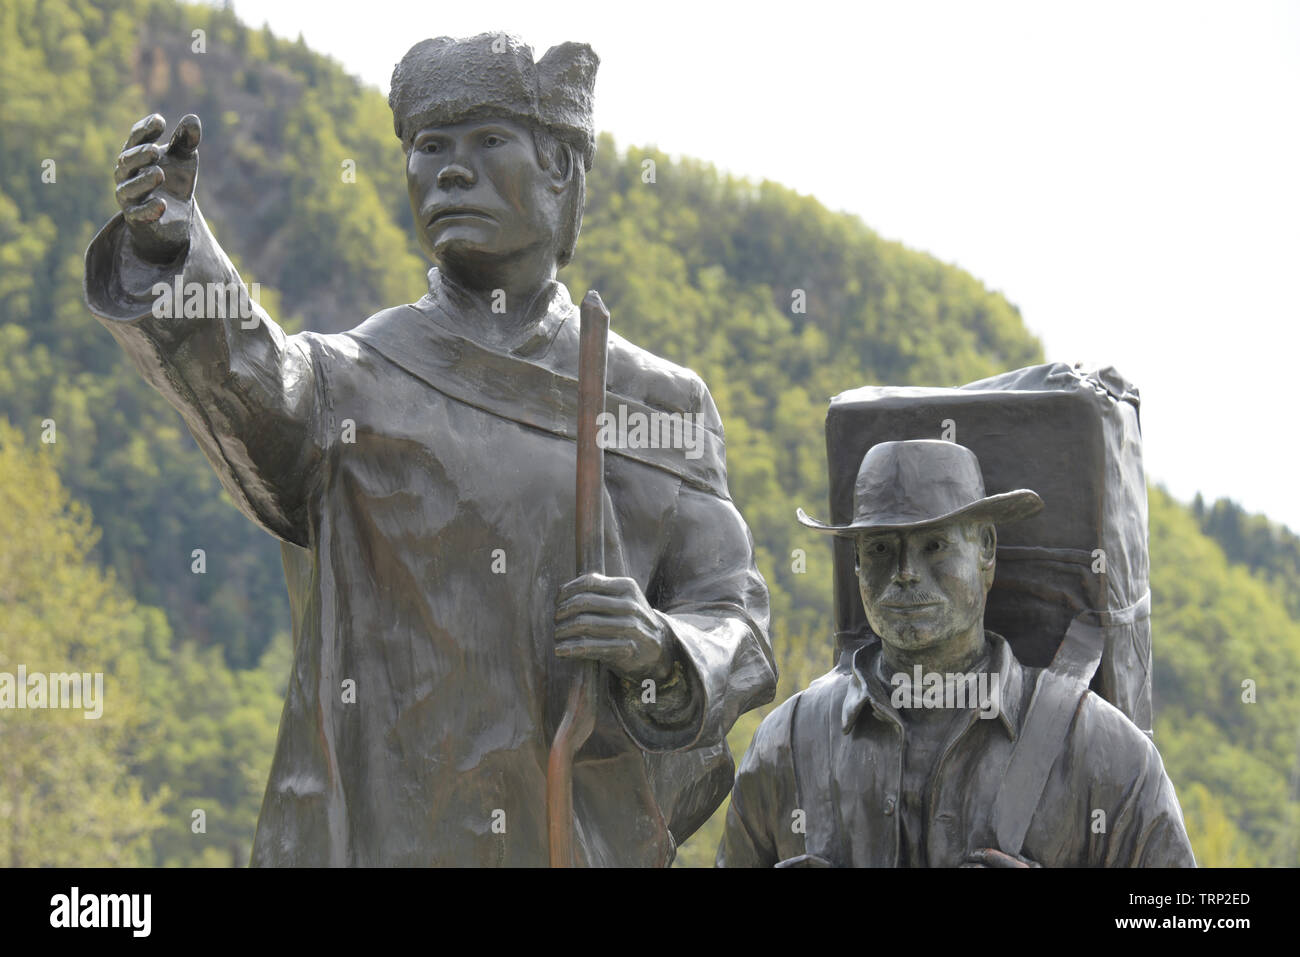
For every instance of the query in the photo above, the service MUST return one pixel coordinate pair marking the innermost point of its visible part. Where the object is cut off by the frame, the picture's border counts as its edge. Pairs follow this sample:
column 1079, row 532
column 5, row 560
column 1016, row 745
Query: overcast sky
column 1128, row 174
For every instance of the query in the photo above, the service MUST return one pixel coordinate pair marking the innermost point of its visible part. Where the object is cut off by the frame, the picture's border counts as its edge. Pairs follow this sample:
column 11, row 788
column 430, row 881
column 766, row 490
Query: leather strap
column 1057, row 694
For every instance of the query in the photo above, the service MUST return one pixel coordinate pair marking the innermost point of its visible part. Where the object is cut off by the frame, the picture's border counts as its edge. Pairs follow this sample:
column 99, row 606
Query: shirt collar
column 866, row 688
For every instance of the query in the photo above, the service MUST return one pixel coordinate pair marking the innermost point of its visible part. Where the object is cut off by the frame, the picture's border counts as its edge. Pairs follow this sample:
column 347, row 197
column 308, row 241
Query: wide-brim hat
column 921, row 482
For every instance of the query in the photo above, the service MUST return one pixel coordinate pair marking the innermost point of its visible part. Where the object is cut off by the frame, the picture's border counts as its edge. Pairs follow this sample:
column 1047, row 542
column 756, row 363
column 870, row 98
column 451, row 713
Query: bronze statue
column 419, row 471
column 901, row 758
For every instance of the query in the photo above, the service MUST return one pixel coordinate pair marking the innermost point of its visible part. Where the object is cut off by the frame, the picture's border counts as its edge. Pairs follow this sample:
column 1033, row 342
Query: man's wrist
column 663, row 713
column 669, row 663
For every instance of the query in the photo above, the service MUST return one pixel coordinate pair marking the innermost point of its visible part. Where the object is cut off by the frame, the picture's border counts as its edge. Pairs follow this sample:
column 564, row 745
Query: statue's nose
column 454, row 174
column 905, row 573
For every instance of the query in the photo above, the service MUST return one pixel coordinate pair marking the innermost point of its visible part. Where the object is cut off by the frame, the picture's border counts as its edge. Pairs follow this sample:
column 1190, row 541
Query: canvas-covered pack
column 1073, row 436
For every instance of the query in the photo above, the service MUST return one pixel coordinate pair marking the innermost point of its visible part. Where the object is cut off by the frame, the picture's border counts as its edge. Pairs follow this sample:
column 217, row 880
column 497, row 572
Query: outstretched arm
column 162, row 286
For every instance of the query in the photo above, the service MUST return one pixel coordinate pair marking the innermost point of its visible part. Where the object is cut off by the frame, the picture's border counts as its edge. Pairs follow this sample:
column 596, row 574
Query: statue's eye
column 936, row 545
column 429, row 146
column 492, row 140
column 877, row 548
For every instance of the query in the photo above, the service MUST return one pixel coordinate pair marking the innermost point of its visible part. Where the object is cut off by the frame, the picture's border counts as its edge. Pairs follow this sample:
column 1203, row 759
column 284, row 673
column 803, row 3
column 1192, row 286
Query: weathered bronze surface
column 931, row 745
column 419, row 471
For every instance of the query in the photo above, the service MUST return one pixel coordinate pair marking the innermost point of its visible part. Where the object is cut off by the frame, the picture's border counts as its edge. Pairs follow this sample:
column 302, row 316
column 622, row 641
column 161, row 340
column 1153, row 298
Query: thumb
column 186, row 136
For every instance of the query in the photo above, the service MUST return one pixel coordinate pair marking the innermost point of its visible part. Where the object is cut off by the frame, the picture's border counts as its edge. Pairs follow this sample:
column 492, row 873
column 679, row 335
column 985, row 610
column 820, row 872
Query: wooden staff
column 580, row 711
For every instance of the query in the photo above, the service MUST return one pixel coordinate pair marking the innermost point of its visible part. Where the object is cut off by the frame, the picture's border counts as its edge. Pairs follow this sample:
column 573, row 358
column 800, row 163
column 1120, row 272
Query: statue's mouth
column 458, row 212
column 911, row 605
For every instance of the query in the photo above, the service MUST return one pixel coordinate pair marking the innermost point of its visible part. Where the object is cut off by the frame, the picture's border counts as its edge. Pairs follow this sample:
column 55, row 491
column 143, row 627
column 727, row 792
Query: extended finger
column 186, row 136
column 999, row 859
column 145, row 131
column 611, row 651
column 594, row 582
column 591, row 581
column 592, row 602
column 131, row 160
column 991, row 857
column 148, row 212
column 137, row 187
column 600, row 627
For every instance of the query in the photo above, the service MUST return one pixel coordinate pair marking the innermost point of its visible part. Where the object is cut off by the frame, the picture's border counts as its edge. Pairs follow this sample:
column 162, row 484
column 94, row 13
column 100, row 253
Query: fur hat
column 445, row 80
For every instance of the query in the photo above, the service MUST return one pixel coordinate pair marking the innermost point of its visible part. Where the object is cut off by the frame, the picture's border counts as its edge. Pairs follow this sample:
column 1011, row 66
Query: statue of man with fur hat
column 419, row 471
column 906, row 756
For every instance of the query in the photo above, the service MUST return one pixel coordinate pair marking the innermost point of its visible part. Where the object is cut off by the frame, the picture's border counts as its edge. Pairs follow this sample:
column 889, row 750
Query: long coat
column 422, row 485
column 821, row 782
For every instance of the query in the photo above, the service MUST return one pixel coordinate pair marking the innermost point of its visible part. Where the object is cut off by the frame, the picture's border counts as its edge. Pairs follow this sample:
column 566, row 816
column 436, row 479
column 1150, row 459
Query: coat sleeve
column 247, row 392
column 1121, row 810
column 760, row 829
column 1147, row 826
column 714, row 602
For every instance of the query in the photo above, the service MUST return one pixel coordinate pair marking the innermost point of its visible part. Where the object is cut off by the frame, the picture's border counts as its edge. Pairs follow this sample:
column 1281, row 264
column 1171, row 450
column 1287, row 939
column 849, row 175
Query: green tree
column 65, row 800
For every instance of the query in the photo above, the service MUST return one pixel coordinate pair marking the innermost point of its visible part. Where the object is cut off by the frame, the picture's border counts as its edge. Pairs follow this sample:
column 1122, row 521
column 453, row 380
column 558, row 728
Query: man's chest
column 884, row 794
column 474, row 471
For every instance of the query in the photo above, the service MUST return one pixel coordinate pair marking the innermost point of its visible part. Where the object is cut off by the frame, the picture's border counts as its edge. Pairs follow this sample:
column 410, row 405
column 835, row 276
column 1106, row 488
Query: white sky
column 1127, row 173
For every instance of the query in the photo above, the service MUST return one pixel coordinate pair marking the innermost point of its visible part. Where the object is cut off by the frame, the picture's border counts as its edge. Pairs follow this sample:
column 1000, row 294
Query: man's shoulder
column 385, row 325
column 393, row 322
column 633, row 372
column 824, row 698
column 658, row 382
column 1101, row 731
column 812, row 708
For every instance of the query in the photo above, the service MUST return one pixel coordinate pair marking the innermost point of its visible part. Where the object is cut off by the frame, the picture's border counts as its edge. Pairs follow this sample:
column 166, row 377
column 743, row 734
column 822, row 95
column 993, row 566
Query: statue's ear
column 554, row 159
column 564, row 164
column 988, row 553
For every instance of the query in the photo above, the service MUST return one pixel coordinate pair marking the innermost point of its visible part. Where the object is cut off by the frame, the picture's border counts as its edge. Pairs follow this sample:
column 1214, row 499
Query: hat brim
column 1005, row 507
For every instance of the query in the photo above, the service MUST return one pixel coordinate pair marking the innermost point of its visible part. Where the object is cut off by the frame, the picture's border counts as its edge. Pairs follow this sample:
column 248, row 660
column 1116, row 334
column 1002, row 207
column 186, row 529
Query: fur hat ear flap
column 566, row 83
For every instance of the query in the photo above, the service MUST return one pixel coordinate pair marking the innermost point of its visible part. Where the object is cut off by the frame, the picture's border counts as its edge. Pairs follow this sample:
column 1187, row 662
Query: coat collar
column 447, row 300
column 866, row 688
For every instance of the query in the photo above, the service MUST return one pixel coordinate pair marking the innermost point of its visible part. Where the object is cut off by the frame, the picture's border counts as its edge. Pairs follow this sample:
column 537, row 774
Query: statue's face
column 479, row 193
column 922, row 588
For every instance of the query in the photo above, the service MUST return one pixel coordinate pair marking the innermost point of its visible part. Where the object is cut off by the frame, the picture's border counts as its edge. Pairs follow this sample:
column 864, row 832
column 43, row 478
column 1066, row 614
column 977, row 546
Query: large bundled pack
column 1078, row 566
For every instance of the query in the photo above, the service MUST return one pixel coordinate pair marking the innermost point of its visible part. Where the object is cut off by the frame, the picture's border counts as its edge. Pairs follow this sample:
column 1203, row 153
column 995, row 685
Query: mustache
column 900, row 597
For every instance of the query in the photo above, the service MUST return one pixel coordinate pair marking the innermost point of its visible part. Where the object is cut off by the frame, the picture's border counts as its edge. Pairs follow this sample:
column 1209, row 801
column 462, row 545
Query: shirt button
column 889, row 806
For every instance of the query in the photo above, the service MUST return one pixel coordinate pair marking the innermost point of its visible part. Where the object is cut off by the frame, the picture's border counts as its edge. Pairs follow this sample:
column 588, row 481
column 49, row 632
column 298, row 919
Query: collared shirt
column 926, row 732
column 823, row 779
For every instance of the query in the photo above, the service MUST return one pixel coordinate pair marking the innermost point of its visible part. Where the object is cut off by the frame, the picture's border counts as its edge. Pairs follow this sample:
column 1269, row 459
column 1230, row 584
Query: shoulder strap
column 1057, row 694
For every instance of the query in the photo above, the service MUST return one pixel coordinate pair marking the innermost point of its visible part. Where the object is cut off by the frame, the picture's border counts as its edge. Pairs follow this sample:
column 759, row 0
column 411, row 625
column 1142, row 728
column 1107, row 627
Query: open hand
column 155, row 185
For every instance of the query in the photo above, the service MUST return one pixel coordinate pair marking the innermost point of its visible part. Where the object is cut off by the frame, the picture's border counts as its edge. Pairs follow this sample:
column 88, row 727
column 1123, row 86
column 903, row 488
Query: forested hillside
column 777, row 302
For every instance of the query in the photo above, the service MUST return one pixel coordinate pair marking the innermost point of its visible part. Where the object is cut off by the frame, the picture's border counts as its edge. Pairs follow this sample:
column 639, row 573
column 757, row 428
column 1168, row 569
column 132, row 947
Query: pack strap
column 1057, row 694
